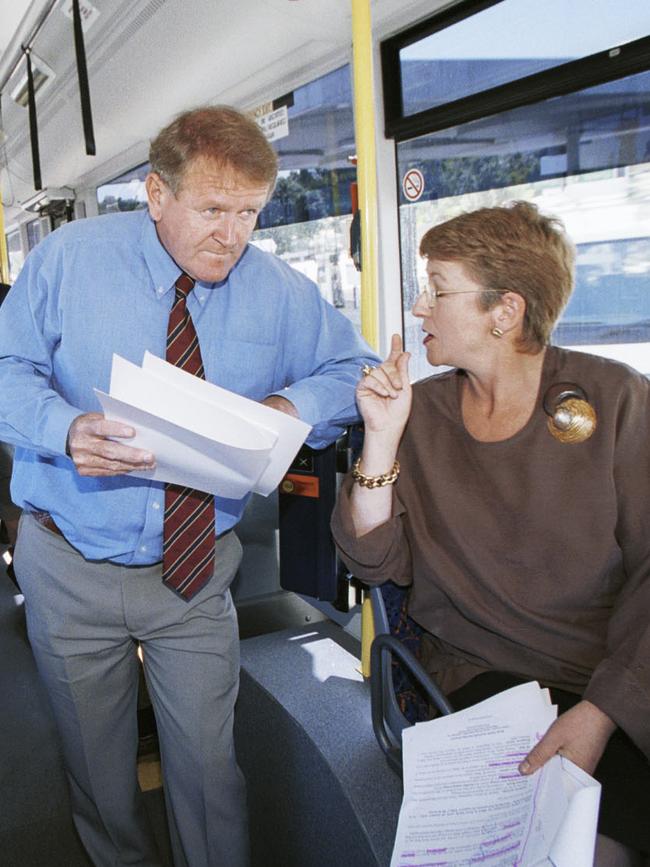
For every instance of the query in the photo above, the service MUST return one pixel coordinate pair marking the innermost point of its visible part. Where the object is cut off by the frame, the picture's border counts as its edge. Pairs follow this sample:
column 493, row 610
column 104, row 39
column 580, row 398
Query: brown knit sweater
column 527, row 555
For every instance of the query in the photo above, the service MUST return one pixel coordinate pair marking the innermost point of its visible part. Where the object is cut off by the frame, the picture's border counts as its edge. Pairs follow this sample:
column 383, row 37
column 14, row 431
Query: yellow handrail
column 367, row 633
column 364, row 130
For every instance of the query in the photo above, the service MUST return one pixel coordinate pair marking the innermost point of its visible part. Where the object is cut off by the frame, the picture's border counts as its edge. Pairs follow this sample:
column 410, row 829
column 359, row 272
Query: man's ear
column 508, row 315
column 156, row 190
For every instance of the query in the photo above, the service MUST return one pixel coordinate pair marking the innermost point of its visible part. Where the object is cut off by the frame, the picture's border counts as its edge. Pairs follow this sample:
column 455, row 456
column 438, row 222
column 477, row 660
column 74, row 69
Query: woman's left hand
column 580, row 734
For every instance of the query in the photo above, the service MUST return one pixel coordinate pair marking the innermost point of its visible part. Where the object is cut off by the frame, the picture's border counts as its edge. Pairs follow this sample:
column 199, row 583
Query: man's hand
column 282, row 404
column 580, row 734
column 96, row 455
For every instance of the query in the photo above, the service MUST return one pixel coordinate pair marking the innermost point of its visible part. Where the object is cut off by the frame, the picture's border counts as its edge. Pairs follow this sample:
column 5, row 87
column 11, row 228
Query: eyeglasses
column 431, row 295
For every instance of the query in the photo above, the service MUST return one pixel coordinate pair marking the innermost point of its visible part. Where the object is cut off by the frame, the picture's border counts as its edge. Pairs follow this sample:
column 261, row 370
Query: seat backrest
column 392, row 713
column 401, row 690
column 391, row 618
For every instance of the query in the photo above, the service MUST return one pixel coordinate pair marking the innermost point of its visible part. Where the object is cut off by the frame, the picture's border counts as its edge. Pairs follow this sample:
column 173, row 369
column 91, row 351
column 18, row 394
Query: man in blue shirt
column 89, row 550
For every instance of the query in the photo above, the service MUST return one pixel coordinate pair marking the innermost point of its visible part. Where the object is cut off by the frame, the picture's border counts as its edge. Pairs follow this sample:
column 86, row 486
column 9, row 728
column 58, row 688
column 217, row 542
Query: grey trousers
column 84, row 619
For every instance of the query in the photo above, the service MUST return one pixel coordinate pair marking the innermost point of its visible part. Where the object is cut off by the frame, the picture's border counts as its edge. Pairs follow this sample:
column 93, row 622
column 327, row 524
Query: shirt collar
column 163, row 270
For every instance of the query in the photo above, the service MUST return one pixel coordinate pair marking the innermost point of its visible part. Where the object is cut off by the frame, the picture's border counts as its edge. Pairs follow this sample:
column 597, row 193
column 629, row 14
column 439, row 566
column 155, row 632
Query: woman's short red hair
column 515, row 248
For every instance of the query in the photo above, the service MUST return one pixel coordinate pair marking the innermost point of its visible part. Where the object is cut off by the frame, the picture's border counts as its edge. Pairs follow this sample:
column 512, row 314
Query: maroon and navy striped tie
column 188, row 529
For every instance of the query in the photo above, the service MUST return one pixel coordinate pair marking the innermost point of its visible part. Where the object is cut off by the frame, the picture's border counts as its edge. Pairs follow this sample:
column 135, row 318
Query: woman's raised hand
column 384, row 400
column 384, row 394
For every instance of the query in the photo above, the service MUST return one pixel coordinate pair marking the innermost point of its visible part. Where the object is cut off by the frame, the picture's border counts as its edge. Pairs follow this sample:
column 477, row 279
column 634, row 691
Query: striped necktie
column 188, row 528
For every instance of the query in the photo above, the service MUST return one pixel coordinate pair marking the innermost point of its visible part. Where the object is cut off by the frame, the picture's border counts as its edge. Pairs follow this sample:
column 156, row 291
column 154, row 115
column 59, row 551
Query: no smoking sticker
column 413, row 184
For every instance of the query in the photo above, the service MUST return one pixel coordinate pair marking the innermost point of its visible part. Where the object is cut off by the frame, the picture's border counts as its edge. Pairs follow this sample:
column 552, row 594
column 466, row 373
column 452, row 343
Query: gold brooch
column 572, row 419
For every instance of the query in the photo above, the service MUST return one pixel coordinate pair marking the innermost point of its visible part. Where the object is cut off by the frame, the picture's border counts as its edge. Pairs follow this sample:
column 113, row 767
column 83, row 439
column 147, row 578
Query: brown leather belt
column 46, row 520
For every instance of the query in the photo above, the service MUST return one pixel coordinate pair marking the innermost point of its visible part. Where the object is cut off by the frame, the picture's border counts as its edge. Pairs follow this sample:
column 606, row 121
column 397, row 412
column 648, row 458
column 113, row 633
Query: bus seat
column 391, row 618
column 319, row 790
column 401, row 690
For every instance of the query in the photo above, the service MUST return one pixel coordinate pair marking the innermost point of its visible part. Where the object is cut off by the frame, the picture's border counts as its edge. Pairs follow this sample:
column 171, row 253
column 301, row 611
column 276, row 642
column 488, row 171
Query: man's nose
column 225, row 230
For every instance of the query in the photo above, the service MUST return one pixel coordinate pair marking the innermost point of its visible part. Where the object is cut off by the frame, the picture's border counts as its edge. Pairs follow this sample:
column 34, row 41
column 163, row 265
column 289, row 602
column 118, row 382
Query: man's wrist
column 276, row 401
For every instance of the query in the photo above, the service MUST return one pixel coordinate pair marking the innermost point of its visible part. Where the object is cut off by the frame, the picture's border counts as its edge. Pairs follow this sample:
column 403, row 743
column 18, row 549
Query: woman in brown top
column 528, row 556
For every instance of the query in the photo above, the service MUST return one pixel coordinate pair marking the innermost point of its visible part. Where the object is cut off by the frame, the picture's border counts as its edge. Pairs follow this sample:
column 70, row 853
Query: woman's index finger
column 395, row 347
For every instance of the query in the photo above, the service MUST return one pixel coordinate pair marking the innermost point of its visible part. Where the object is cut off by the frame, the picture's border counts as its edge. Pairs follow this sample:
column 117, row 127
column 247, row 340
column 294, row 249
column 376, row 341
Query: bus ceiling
column 147, row 60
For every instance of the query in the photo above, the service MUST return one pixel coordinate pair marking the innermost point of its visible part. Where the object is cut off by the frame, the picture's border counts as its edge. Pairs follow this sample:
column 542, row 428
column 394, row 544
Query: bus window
column 307, row 221
column 583, row 157
column 533, row 119
column 611, row 302
column 525, row 37
column 34, row 233
column 126, row 192
column 15, row 254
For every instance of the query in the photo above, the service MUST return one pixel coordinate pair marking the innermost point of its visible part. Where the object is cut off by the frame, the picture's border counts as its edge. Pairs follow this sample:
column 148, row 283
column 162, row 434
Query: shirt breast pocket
column 250, row 368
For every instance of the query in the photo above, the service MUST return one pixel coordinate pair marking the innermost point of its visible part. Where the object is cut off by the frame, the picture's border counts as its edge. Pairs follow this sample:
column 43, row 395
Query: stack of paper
column 202, row 436
column 466, row 803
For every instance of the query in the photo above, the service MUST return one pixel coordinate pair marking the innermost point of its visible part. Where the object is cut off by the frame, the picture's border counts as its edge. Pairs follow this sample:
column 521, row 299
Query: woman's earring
column 497, row 332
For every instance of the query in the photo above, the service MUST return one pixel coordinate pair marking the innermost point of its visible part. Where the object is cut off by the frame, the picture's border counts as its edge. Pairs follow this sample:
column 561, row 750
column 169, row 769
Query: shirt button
column 143, row 548
column 155, row 506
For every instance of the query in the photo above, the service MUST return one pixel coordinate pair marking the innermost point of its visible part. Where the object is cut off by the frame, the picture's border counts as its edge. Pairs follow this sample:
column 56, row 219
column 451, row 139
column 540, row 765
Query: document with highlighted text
column 465, row 802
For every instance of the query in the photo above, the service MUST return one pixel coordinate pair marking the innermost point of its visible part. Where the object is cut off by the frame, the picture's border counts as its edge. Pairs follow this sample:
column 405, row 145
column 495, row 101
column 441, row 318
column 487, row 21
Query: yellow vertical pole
column 364, row 129
column 367, row 634
column 4, row 256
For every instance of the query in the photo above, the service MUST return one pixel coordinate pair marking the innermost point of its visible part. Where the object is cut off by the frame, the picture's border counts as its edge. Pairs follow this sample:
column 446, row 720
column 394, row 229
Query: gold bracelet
column 388, row 478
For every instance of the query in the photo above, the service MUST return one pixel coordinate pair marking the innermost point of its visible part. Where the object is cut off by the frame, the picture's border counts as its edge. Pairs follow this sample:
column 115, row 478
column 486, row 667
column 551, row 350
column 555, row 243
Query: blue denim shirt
column 105, row 285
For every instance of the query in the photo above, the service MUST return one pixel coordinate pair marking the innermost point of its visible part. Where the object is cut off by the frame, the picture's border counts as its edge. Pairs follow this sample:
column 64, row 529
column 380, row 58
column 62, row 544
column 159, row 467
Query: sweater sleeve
column 620, row 684
column 381, row 555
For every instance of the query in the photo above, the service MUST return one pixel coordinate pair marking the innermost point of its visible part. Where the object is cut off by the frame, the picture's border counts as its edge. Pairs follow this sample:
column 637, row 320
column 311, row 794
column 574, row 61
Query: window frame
column 599, row 68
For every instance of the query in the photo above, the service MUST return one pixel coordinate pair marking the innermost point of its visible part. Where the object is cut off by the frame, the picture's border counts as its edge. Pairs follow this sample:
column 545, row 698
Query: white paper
column 466, row 803
column 202, row 436
column 290, row 432
column 575, row 841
